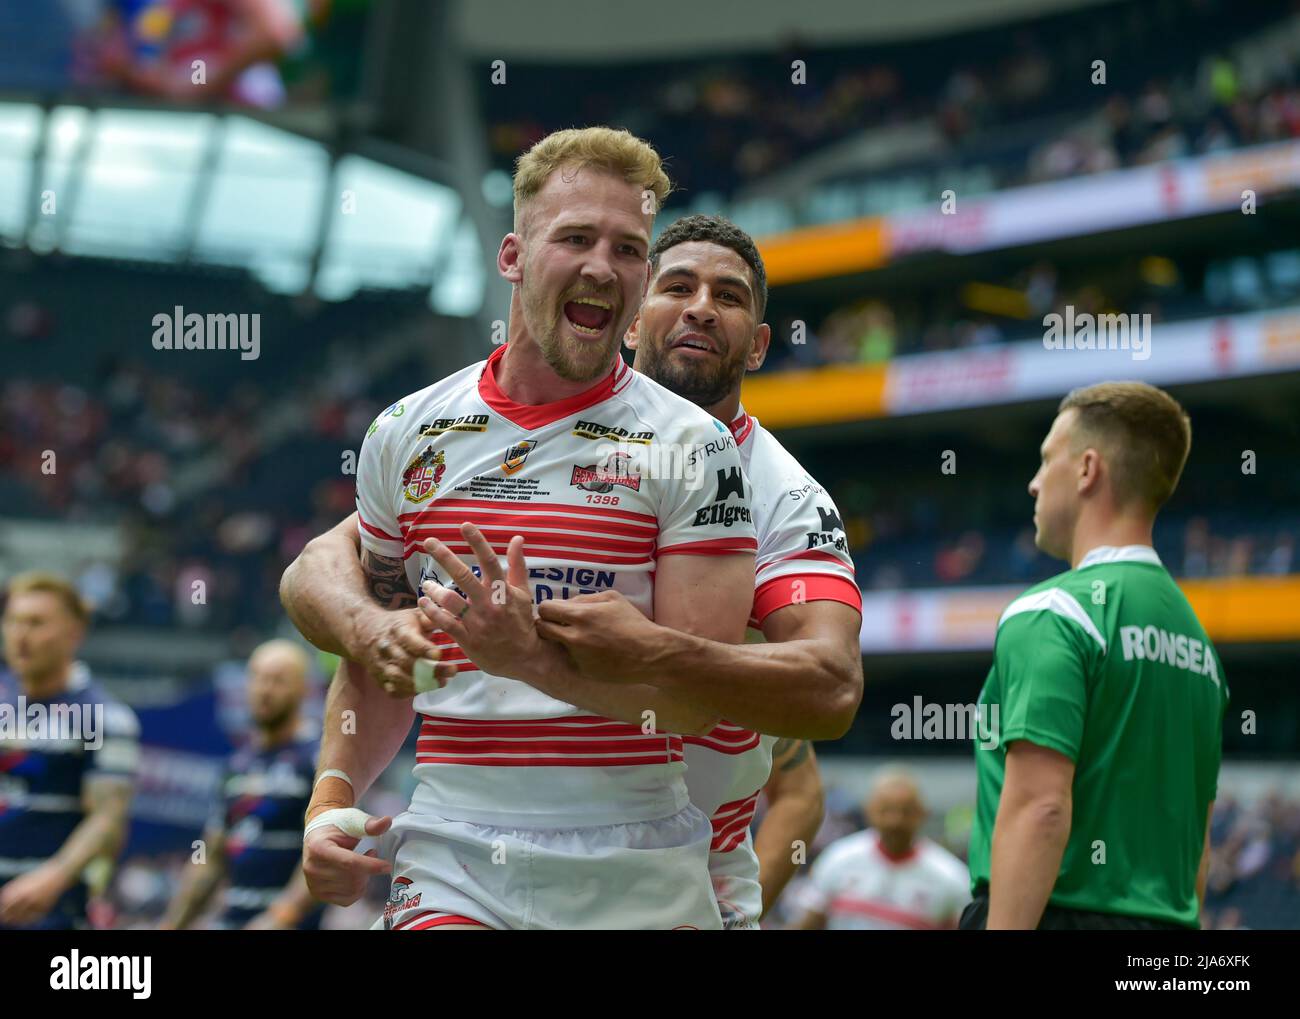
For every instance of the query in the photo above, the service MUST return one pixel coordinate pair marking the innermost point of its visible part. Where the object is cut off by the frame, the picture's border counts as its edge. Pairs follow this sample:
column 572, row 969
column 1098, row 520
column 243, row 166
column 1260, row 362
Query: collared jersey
column 601, row 485
column 1108, row 665
column 858, row 885
column 802, row 557
column 48, row 752
column 263, row 796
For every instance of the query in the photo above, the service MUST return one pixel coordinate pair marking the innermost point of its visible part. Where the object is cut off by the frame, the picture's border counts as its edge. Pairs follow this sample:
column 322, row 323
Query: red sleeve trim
column 375, row 530
column 714, row 546
column 778, row 592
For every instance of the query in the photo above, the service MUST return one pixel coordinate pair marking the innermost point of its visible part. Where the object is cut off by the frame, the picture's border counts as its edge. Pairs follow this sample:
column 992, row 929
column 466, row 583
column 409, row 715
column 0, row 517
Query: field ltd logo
column 76, row 972
column 179, row 331
column 1086, row 331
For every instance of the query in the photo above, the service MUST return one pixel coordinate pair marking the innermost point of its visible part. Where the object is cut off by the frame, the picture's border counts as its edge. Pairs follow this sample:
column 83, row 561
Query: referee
column 1105, row 699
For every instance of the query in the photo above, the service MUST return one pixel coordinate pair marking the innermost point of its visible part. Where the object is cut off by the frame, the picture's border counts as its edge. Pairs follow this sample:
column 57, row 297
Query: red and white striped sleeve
column 804, row 556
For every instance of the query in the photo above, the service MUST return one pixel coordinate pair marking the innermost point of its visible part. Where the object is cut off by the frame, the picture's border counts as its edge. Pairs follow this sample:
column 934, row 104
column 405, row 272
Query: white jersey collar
column 1120, row 554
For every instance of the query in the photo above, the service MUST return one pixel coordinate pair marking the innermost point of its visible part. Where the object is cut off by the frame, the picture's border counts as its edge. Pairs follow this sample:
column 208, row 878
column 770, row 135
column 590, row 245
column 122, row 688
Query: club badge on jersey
column 423, row 474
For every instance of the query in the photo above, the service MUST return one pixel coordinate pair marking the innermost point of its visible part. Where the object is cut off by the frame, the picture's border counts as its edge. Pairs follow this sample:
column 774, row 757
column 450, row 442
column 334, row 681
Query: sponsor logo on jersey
column 513, row 461
column 464, row 423
column 718, row 512
column 592, row 430
column 396, row 410
column 729, row 484
column 711, row 447
column 423, row 474
column 721, row 513
column 831, row 522
column 399, row 900
column 615, row 469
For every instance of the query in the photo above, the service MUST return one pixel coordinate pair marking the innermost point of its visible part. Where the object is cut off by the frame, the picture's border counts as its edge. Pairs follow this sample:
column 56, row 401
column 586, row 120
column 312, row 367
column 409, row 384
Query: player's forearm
column 197, row 886
column 804, row 689
column 782, row 840
column 325, row 594
column 100, row 833
column 295, row 902
column 362, row 731
column 557, row 676
column 1029, row 839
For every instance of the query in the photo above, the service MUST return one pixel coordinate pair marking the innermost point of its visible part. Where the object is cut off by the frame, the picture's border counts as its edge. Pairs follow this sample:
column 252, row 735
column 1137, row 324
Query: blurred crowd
column 993, row 308
column 254, row 53
column 734, row 122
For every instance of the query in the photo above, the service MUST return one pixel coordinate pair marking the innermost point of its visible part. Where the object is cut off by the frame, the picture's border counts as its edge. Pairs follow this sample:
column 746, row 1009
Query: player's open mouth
column 696, row 342
column 588, row 315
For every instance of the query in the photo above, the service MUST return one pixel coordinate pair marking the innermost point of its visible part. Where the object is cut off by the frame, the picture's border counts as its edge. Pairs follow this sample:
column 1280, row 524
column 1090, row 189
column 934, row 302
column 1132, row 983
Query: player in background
column 254, row 839
column 569, row 799
column 889, row 877
column 65, row 789
column 1103, row 711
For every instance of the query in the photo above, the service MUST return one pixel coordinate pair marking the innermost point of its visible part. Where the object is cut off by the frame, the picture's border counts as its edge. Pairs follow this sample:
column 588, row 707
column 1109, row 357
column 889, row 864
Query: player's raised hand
column 494, row 623
column 394, row 645
column 606, row 635
column 334, row 873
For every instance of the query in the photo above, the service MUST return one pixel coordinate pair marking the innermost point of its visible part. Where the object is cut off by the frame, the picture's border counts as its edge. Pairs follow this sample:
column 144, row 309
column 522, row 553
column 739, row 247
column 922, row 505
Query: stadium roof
column 595, row 31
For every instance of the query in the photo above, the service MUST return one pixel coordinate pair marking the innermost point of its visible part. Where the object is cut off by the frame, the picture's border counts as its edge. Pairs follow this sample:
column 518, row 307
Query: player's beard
column 273, row 719
column 570, row 358
column 701, row 382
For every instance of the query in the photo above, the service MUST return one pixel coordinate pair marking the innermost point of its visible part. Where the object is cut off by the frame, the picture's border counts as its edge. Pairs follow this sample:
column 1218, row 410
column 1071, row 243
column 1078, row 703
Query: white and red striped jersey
column 859, row 886
column 802, row 556
column 597, row 485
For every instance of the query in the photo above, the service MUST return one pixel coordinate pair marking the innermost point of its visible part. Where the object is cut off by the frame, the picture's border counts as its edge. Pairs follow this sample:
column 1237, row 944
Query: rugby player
column 530, row 812
column 699, row 330
column 254, row 840
column 68, row 757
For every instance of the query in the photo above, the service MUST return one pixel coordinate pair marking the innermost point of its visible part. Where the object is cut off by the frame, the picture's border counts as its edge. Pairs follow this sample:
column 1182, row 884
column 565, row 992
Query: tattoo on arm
column 387, row 581
column 788, row 754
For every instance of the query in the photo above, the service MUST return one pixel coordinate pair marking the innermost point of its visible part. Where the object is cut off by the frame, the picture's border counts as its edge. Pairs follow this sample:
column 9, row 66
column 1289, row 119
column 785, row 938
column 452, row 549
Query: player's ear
column 510, row 260
column 758, row 352
column 633, row 334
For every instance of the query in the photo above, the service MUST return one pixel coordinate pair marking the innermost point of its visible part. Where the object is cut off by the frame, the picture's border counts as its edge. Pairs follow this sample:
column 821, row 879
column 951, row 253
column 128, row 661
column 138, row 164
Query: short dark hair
column 721, row 231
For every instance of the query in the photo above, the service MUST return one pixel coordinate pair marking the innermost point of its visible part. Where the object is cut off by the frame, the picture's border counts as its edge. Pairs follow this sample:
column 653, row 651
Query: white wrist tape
column 333, row 773
column 422, row 676
column 349, row 820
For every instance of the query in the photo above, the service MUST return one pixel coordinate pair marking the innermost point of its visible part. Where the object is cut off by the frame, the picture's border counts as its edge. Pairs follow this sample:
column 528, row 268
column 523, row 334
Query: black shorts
column 1056, row 918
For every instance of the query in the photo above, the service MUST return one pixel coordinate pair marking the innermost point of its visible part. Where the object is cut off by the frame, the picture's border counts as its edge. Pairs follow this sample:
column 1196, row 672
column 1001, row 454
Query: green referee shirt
column 1108, row 665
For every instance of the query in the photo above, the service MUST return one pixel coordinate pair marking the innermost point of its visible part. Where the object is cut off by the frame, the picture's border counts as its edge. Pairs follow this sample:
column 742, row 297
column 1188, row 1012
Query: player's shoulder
column 1063, row 602
column 411, row 411
column 777, row 474
column 848, row 848
column 666, row 413
column 941, row 860
column 119, row 720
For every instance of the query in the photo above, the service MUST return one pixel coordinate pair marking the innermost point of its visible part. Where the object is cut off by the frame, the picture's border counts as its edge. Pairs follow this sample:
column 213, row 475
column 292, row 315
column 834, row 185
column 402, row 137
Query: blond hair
column 615, row 151
column 1145, row 435
column 50, row 583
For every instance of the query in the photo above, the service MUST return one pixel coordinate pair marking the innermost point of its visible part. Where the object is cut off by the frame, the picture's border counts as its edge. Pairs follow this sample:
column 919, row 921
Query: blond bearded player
column 529, row 812
column 699, row 330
